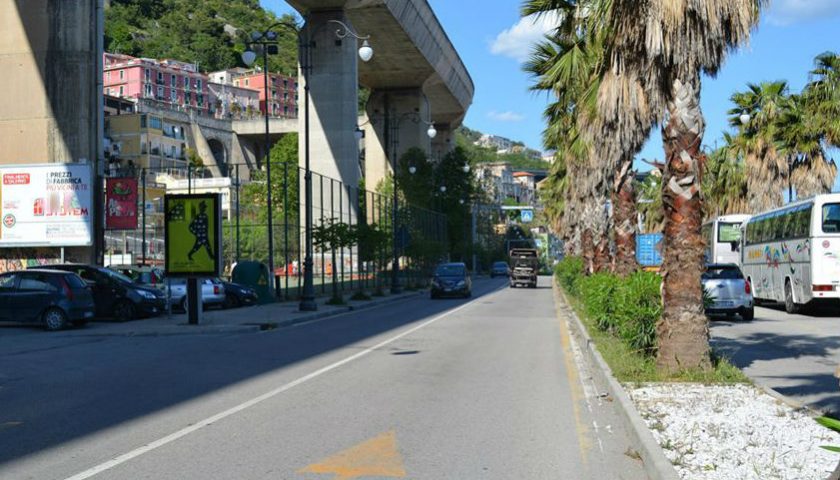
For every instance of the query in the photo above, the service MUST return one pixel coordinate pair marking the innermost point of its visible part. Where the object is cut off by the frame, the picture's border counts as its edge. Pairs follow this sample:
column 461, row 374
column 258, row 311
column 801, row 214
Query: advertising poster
column 121, row 203
column 46, row 205
column 193, row 235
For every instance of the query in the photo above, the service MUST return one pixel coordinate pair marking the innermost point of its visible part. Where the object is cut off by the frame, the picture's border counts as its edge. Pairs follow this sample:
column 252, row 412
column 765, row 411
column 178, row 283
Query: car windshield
column 117, row 275
column 449, row 270
column 722, row 273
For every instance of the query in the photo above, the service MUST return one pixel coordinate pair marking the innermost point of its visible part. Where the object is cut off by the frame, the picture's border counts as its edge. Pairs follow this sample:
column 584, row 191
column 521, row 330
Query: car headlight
column 461, row 283
column 146, row 295
column 435, row 282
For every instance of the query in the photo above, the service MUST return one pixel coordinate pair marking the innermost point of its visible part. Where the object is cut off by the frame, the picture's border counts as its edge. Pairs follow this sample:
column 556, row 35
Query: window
column 173, row 81
column 122, row 74
column 159, row 77
column 122, row 90
column 173, row 94
column 108, row 76
column 154, row 122
column 186, row 84
column 147, row 75
column 247, row 82
column 285, row 83
column 831, row 218
column 199, row 99
column 188, row 98
column 142, row 121
column 7, row 281
column 160, row 91
column 38, row 283
column 74, row 281
column 148, row 90
column 198, row 84
column 723, row 273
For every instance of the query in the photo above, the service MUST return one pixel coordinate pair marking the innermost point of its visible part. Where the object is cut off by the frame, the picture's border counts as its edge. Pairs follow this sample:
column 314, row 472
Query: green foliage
column 191, row 31
column 466, row 138
column 568, row 272
column 831, row 424
column 598, row 292
column 640, row 308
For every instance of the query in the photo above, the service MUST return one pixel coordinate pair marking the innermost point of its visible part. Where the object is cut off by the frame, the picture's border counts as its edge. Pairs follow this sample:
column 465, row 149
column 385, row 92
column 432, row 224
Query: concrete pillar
column 333, row 94
column 398, row 122
column 444, row 141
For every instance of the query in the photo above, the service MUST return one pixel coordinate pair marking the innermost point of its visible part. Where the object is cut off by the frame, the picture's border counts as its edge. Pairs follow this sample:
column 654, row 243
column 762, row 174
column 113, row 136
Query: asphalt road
column 487, row 388
column 796, row 355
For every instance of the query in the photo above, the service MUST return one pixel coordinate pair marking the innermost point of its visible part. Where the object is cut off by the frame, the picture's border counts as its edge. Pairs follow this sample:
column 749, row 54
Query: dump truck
column 524, row 266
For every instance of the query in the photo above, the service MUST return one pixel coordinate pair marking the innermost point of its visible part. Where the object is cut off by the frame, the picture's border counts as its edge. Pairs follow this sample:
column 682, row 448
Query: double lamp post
column 267, row 41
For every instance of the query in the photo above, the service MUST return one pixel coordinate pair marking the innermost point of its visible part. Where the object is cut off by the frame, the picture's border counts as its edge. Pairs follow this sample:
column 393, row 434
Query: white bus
column 723, row 238
column 792, row 254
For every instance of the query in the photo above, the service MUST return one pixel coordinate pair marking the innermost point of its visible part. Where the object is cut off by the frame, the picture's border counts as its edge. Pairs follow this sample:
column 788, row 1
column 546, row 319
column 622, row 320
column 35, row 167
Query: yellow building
column 145, row 140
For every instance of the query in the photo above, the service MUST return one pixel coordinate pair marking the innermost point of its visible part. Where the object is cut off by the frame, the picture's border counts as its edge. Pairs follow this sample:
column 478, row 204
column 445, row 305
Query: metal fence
column 353, row 231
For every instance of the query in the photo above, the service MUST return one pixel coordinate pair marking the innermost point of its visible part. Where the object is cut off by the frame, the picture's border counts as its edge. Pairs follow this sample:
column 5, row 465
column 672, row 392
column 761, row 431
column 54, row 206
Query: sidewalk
column 237, row 320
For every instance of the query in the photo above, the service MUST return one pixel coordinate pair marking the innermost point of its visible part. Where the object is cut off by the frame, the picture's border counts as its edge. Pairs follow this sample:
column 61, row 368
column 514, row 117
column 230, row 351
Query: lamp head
column 365, row 52
column 412, row 169
column 744, row 118
column 256, row 36
column 249, row 57
column 466, row 168
column 431, row 132
column 443, row 189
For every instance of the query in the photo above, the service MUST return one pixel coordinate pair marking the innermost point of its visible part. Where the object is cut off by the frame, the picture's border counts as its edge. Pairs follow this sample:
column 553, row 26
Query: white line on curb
column 250, row 403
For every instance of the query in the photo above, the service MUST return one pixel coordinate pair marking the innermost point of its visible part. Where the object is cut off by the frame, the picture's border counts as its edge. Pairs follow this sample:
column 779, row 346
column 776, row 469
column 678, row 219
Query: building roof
column 523, row 174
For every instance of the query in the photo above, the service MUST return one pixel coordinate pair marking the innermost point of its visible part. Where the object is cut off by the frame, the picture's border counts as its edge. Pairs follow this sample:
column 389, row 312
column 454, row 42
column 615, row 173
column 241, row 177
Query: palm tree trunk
column 835, row 475
column 624, row 219
column 683, row 330
column 587, row 246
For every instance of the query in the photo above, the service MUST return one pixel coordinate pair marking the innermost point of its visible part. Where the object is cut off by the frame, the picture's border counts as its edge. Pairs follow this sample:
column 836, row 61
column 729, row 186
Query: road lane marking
column 377, row 457
column 250, row 403
column 575, row 385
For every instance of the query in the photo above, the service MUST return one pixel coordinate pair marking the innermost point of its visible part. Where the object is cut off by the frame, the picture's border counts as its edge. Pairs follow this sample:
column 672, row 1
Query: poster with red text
column 121, row 203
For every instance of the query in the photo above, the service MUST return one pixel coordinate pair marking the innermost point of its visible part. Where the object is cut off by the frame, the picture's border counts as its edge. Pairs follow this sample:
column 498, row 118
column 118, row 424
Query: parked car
column 212, row 292
column 114, row 294
column 52, row 298
column 730, row 292
column 451, row 279
column 237, row 295
column 144, row 275
column 499, row 269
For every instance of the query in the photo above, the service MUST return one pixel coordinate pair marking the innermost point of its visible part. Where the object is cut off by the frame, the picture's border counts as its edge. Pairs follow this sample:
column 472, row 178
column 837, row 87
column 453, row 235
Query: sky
column 493, row 40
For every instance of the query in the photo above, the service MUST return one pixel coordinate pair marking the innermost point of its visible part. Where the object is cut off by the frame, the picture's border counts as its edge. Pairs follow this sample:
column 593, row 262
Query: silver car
column 212, row 292
column 728, row 290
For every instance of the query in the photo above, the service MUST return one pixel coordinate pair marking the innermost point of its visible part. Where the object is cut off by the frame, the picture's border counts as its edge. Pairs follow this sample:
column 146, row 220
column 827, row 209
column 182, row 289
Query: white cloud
column 786, row 12
column 516, row 42
column 505, row 116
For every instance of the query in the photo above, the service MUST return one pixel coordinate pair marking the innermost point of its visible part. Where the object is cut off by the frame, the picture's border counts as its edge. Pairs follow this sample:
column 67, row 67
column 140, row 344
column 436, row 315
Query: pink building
column 283, row 97
column 177, row 84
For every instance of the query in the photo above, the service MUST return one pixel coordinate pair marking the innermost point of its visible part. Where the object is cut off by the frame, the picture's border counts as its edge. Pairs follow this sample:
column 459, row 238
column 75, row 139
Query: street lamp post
column 305, row 46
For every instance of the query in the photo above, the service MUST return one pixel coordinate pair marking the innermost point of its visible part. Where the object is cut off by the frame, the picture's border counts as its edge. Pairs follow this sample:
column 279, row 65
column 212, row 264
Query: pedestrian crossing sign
column 526, row 216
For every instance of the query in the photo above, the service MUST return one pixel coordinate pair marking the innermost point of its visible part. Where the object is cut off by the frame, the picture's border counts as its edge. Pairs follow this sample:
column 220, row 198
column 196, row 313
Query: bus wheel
column 790, row 307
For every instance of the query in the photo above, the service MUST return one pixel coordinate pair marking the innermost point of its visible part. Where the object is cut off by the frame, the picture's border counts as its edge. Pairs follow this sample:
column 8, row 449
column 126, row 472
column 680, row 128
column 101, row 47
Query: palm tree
column 765, row 167
column 724, row 182
column 800, row 140
column 823, row 96
column 666, row 45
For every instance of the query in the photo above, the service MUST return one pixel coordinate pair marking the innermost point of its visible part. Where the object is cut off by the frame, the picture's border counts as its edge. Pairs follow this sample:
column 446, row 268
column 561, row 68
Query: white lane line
column 250, row 403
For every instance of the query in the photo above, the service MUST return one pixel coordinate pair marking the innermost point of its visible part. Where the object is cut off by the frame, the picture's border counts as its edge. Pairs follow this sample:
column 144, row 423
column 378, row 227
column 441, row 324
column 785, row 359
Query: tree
column 681, row 41
column 724, row 182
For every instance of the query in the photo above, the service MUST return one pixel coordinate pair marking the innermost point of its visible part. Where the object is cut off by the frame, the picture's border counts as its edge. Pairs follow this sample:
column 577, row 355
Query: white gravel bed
column 734, row 432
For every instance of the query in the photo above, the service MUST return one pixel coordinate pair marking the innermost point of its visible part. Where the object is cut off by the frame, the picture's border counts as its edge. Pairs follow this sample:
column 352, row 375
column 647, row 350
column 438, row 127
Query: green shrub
column 638, row 308
column 598, row 294
column 568, row 272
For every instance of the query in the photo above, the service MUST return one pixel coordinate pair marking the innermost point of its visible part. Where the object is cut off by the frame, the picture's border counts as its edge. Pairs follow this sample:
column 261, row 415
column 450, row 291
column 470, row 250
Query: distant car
column 52, row 298
column 144, row 275
column 212, row 292
column 451, row 279
column 237, row 295
column 499, row 269
column 114, row 294
column 730, row 292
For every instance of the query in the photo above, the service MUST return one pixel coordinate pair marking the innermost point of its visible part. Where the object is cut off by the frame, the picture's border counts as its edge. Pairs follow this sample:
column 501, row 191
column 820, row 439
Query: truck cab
column 524, row 266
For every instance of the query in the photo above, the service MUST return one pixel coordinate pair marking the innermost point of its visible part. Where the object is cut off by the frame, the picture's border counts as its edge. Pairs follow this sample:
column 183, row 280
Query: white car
column 729, row 291
column 212, row 292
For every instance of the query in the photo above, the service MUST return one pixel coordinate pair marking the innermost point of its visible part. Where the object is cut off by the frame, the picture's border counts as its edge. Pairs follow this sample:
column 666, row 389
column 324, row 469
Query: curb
column 657, row 466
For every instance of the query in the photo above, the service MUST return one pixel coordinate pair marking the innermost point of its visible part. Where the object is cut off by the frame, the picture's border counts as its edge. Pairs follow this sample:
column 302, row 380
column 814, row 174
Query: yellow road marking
column 377, row 457
column 575, row 386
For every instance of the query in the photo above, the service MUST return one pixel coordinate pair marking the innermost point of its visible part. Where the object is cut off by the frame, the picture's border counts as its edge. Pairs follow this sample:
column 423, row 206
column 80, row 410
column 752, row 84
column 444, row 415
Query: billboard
column 121, row 203
column 46, row 205
column 193, row 235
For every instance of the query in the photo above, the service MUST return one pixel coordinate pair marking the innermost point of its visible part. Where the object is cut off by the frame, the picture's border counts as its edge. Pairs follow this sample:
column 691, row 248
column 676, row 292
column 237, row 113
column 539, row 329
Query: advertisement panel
column 121, row 203
column 46, row 205
column 193, row 235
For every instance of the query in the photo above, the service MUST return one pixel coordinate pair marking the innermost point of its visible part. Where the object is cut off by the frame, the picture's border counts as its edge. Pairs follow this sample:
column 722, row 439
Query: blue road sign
column 526, row 216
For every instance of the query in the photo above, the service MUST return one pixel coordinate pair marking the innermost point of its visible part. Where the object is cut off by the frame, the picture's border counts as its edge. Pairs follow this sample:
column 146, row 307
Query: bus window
column 831, row 218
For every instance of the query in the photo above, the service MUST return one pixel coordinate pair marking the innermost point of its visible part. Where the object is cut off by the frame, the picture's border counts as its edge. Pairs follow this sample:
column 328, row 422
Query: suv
column 729, row 291
column 499, row 269
column 51, row 297
column 114, row 294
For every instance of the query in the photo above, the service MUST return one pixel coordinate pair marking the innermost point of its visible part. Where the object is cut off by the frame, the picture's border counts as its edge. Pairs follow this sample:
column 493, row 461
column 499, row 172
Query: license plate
column 724, row 304
column 447, row 289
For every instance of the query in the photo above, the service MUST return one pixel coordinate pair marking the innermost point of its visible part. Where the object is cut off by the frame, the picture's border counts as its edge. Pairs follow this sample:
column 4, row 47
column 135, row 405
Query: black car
column 52, row 298
column 237, row 295
column 451, row 279
column 116, row 295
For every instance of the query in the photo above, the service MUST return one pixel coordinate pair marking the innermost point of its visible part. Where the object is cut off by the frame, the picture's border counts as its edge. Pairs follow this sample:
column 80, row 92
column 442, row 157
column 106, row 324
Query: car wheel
column 125, row 311
column 55, row 319
column 232, row 301
column 790, row 306
column 748, row 314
